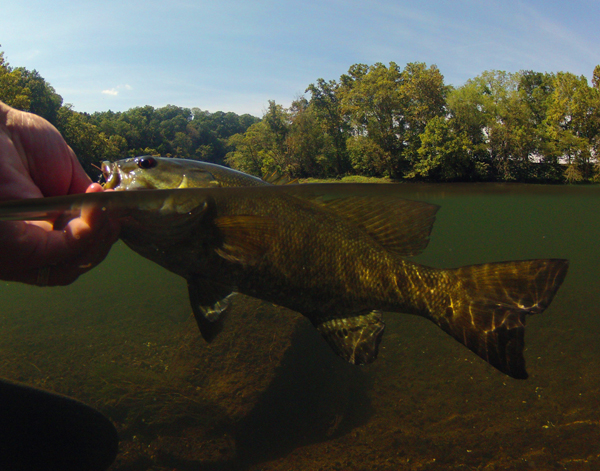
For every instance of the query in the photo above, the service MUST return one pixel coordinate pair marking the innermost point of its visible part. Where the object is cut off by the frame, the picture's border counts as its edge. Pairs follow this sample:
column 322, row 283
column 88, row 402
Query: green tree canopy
column 375, row 120
column 12, row 91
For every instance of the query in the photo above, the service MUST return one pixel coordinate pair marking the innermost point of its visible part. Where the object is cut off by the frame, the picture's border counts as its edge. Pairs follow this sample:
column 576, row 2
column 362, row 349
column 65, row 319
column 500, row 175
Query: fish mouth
column 111, row 175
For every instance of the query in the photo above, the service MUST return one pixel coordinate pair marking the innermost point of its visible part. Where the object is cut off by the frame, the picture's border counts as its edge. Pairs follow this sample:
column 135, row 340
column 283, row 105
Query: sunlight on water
column 268, row 394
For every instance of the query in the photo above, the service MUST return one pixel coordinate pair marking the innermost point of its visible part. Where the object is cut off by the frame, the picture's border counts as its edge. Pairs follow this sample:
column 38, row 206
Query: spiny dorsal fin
column 356, row 338
column 277, row 178
column 400, row 226
column 245, row 238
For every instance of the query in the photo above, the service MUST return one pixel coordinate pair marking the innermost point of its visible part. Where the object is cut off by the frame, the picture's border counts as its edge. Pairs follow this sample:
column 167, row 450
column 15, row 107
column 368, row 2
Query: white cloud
column 115, row 90
column 112, row 92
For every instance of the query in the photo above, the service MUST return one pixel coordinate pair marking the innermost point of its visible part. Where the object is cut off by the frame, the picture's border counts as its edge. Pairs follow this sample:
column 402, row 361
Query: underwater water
column 268, row 393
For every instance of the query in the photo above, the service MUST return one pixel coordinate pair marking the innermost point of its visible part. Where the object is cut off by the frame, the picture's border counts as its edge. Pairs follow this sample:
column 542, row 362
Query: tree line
column 375, row 120
column 168, row 131
column 379, row 120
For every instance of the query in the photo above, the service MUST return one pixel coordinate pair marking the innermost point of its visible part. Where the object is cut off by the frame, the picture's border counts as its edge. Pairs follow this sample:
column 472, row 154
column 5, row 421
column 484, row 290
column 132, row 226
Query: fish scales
column 349, row 272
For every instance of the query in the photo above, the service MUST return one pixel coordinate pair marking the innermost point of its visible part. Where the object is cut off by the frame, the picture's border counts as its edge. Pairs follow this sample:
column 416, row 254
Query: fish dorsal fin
column 356, row 339
column 277, row 178
column 400, row 226
column 209, row 300
column 245, row 238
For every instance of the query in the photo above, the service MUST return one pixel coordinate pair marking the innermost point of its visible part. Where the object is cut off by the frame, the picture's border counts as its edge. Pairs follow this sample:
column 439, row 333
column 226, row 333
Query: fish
column 327, row 251
column 337, row 262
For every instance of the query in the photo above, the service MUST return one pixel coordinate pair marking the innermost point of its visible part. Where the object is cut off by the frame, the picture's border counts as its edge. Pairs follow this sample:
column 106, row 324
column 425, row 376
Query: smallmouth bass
column 339, row 262
column 336, row 259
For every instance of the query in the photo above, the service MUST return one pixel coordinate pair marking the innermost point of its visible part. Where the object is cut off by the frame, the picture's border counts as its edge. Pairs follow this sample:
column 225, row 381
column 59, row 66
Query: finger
column 94, row 215
column 37, row 140
column 26, row 247
column 59, row 272
column 33, row 254
column 101, row 240
column 92, row 218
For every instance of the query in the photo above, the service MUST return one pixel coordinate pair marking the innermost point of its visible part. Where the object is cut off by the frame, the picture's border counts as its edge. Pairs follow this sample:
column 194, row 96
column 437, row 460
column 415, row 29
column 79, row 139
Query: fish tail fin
column 485, row 306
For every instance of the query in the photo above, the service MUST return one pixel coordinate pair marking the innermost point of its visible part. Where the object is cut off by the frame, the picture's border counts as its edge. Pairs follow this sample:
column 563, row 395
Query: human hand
column 36, row 162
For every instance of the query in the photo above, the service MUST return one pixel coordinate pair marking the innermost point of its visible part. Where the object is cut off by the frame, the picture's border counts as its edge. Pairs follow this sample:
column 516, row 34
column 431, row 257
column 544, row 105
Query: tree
column 596, row 77
column 326, row 104
column 574, row 122
column 443, row 154
column 499, row 124
column 87, row 141
column 262, row 149
column 371, row 101
column 12, row 91
column 308, row 148
column 466, row 108
column 287, row 141
column 534, row 94
column 43, row 99
column 423, row 96
column 173, row 131
column 367, row 157
column 116, row 148
column 251, row 150
column 391, row 108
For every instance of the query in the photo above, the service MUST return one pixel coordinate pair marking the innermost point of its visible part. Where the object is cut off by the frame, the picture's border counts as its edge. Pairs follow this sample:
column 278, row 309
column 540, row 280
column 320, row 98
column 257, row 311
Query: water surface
column 268, row 394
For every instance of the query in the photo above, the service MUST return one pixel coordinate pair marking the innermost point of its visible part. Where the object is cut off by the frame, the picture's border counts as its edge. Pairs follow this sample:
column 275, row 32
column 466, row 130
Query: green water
column 269, row 395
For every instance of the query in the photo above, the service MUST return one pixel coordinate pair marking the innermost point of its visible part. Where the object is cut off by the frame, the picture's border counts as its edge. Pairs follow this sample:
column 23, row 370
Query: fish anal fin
column 209, row 301
column 356, row 339
column 245, row 238
column 400, row 226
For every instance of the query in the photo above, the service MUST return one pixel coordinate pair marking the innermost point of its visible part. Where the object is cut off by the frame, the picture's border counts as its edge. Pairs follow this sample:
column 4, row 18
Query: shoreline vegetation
column 376, row 123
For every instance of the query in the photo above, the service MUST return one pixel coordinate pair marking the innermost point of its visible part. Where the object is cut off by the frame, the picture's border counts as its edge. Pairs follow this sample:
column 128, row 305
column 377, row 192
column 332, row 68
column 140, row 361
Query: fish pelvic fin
column 209, row 302
column 356, row 339
column 487, row 307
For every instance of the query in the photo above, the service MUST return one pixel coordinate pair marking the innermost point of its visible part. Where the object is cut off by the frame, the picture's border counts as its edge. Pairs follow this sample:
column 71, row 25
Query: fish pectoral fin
column 245, row 238
column 209, row 301
column 356, row 338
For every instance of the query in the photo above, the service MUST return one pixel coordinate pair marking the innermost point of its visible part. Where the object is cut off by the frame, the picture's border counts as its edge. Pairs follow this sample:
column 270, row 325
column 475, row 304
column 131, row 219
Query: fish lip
column 111, row 175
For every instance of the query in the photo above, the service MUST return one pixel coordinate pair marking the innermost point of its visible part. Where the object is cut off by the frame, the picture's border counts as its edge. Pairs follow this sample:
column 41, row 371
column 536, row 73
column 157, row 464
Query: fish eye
column 146, row 162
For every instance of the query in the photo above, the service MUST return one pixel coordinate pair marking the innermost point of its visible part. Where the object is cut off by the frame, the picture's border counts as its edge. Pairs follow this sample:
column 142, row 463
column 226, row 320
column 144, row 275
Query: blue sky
column 235, row 55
